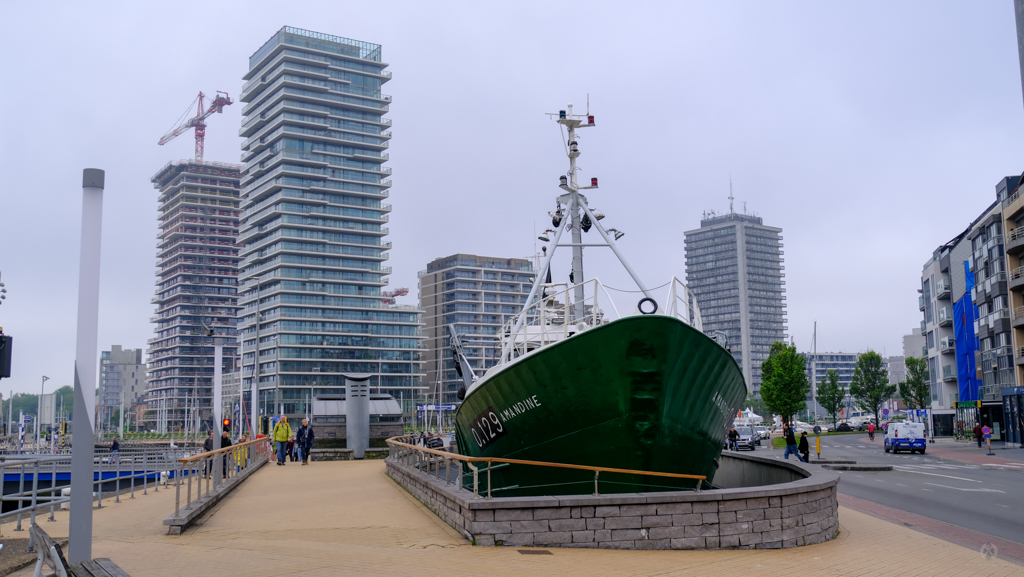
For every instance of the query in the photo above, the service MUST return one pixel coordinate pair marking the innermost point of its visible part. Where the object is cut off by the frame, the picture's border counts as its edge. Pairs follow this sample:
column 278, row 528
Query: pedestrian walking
column 304, row 438
column 787, row 431
column 871, row 431
column 115, row 450
column 734, row 438
column 986, row 433
column 207, row 447
column 225, row 441
column 804, row 447
column 978, row 432
column 289, row 450
column 282, row 433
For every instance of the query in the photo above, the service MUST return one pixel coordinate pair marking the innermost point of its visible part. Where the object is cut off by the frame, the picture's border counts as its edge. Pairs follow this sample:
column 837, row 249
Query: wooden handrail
column 459, row 457
column 225, row 449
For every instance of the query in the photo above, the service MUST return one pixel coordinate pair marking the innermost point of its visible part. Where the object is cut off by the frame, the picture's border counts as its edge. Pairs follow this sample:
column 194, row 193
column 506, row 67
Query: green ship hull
column 646, row 393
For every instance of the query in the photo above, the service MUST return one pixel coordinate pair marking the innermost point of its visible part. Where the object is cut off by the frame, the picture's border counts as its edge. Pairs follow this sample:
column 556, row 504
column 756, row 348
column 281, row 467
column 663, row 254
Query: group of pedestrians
column 802, row 450
column 296, row 446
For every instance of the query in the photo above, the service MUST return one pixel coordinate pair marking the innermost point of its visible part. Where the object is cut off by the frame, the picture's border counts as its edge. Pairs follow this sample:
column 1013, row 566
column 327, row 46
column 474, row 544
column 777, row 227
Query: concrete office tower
column 312, row 224
column 197, row 282
column 477, row 294
column 915, row 345
column 817, row 367
column 122, row 381
column 734, row 267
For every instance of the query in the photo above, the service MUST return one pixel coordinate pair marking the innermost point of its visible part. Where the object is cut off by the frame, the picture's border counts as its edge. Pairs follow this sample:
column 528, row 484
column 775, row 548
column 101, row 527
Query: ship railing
column 553, row 318
column 682, row 304
column 403, row 449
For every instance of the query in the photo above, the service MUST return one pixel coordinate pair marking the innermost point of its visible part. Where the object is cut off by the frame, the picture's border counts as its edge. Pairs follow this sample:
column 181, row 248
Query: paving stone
column 773, row 513
column 761, row 526
column 656, row 521
column 729, row 541
column 701, row 531
column 606, row 511
column 750, row 515
column 691, row 519
column 529, row 526
column 582, row 536
column 758, row 503
column 734, row 528
column 552, row 513
column 595, row 523
column 668, row 532
column 514, row 539
column 491, row 527
column 705, row 507
column 711, row 542
column 727, row 517
column 602, row 535
column 790, row 522
column 485, row 540
column 793, row 533
column 689, row 543
column 653, row 544
column 483, row 515
column 513, row 515
column 627, row 534
column 675, row 508
column 622, row 523
column 732, row 505
column 637, row 510
column 553, row 538
column 750, row 538
column 774, row 501
column 574, row 513
column 567, row 524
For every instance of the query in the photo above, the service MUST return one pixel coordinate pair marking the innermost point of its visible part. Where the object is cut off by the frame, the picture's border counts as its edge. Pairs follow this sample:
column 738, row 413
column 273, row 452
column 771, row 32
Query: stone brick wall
column 801, row 512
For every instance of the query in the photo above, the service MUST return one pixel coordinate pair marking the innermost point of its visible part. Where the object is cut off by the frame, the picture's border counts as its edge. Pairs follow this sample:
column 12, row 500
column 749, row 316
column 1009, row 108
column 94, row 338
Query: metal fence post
column 53, row 488
column 596, row 473
column 35, row 496
column 177, row 495
column 21, row 489
column 489, row 477
column 145, row 473
column 99, row 487
column 117, row 478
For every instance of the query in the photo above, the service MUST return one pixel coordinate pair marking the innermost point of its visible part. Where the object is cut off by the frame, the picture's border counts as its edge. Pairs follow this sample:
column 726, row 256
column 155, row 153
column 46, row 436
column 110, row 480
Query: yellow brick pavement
column 348, row 518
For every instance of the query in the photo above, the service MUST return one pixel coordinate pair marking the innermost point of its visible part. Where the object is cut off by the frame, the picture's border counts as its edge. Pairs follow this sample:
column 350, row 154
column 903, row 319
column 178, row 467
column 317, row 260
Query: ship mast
column 581, row 219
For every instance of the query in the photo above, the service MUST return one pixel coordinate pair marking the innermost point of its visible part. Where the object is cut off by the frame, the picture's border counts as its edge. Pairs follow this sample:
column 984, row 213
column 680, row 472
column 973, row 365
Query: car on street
column 905, row 437
column 844, row 428
column 762, row 431
column 748, row 440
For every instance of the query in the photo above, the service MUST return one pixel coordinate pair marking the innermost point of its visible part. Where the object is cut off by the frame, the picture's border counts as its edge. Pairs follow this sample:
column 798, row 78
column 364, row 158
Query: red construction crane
column 388, row 297
column 198, row 121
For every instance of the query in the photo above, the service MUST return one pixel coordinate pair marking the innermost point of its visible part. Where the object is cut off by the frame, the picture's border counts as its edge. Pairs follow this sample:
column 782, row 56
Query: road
column 982, row 498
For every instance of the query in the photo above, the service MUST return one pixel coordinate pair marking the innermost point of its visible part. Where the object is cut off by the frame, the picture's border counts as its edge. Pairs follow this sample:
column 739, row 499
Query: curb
column 857, row 467
column 831, row 462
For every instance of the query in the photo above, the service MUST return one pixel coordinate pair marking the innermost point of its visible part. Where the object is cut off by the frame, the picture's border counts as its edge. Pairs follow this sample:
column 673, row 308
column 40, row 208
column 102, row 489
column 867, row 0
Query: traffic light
column 6, row 342
column 227, row 425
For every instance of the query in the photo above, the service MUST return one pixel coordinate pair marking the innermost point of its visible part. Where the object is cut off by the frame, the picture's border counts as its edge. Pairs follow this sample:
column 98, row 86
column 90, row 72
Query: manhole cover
column 534, row 552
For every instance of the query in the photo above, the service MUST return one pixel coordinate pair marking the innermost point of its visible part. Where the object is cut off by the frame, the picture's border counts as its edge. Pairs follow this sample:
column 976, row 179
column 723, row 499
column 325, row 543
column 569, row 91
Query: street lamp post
column 39, row 409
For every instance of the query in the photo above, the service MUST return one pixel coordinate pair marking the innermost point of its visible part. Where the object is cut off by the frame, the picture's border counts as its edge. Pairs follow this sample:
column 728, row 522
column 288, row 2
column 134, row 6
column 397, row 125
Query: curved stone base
column 799, row 507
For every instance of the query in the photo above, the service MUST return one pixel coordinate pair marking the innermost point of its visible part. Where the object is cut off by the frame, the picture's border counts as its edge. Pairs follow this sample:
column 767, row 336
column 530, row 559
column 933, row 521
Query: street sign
column 885, row 412
column 28, row 418
column 435, row 408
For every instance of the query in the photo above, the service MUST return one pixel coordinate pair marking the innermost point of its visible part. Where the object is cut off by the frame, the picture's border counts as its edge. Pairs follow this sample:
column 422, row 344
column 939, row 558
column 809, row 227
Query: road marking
column 962, row 489
column 909, row 470
column 901, row 484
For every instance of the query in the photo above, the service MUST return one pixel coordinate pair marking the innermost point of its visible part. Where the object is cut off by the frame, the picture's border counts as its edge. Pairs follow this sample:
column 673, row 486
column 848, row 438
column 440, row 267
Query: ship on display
column 578, row 383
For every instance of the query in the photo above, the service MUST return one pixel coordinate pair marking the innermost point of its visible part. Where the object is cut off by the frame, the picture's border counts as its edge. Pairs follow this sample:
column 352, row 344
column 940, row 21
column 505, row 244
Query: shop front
column 1013, row 414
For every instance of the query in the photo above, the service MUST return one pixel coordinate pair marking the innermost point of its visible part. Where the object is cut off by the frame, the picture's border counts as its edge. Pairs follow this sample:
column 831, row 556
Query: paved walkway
column 348, row 518
column 1008, row 457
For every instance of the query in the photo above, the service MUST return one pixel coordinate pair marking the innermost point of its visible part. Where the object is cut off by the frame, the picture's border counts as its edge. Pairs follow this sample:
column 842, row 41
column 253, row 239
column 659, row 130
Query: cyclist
column 871, row 431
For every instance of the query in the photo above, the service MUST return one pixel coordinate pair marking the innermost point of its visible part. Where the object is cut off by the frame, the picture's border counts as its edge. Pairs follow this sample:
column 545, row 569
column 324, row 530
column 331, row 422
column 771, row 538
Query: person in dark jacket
column 225, row 441
column 978, row 433
column 734, row 438
column 304, row 438
column 115, row 450
column 791, row 447
column 207, row 447
column 804, row 447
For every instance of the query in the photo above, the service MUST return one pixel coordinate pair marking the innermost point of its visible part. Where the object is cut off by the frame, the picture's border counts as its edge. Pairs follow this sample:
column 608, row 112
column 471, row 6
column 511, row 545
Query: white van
column 905, row 437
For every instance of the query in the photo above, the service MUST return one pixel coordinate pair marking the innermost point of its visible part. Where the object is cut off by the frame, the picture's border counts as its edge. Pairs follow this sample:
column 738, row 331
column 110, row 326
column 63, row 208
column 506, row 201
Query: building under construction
column 197, row 283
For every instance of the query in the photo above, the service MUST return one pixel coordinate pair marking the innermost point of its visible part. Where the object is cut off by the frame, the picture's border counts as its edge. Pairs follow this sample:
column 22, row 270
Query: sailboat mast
column 579, row 311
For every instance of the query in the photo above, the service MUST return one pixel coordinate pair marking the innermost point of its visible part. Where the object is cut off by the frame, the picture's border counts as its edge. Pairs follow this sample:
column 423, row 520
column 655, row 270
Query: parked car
column 748, row 440
column 844, row 428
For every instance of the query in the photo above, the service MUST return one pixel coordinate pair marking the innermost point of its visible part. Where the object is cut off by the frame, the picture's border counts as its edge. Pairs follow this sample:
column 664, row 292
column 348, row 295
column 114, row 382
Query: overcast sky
column 870, row 132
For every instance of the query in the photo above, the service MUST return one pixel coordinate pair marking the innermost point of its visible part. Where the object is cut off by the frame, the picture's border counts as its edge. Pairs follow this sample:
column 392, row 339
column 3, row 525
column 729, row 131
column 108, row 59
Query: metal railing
column 410, row 454
column 130, row 466
column 234, row 461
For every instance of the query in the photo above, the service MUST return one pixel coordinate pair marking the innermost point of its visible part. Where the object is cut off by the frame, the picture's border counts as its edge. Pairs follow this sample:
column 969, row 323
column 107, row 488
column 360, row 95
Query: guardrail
column 107, row 467
column 221, row 469
column 418, row 457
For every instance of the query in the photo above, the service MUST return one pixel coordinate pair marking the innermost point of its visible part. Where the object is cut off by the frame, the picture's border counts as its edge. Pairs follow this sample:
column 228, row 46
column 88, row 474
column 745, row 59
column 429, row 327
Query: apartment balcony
column 1015, row 279
column 920, row 302
column 942, row 289
column 945, row 316
column 1014, row 241
column 1018, row 358
column 924, row 327
column 1017, row 317
column 947, row 346
column 949, row 373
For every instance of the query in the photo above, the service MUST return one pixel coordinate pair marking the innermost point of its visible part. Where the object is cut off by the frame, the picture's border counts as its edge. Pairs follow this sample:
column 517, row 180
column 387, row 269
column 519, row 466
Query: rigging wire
column 626, row 291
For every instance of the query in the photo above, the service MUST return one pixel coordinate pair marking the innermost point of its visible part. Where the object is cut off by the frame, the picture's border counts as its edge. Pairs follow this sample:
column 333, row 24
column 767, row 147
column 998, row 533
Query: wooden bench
column 50, row 554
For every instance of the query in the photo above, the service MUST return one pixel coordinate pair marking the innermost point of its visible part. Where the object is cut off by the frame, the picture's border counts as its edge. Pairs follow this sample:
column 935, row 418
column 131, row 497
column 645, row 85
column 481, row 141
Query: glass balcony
column 920, row 302
column 948, row 372
column 942, row 289
column 947, row 345
column 945, row 316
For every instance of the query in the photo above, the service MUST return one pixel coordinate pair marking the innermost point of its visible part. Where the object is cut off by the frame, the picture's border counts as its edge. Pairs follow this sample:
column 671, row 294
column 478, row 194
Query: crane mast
column 198, row 122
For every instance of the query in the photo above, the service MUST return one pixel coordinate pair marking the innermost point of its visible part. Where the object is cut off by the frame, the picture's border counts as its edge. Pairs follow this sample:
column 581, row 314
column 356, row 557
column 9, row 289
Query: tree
column 870, row 385
column 784, row 385
column 915, row 391
column 831, row 394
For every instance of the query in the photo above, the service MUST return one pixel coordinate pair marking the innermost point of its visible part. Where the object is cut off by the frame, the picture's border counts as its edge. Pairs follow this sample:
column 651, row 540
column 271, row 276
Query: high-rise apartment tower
column 734, row 268
column 197, row 283
column 477, row 295
column 312, row 224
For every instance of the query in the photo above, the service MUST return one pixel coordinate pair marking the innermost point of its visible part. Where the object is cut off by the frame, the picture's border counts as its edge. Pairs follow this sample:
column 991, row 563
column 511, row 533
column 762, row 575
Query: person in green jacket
column 282, row 433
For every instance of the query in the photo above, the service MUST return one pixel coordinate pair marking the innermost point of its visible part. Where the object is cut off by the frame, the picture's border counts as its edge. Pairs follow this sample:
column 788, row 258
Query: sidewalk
column 1007, row 456
column 348, row 518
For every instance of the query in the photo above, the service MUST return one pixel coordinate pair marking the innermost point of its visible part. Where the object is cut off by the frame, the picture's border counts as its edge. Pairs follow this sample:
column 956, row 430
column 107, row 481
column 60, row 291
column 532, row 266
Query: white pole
column 121, row 414
column 80, row 525
column 218, row 362
column 39, row 411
